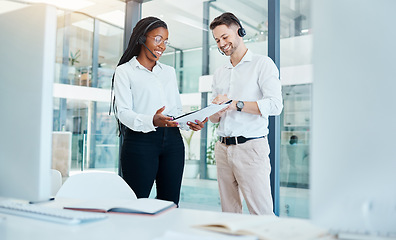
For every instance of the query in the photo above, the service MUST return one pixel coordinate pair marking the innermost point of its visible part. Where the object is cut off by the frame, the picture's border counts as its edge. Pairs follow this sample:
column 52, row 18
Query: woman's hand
column 160, row 120
column 198, row 125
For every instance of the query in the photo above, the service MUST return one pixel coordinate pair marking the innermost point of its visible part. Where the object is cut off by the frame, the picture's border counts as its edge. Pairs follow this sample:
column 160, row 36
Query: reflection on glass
column 110, row 51
column 94, row 144
column 74, row 49
column 94, row 137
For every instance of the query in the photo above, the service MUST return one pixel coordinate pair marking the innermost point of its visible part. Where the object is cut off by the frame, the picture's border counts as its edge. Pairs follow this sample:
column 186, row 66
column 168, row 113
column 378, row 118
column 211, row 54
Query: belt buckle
column 225, row 140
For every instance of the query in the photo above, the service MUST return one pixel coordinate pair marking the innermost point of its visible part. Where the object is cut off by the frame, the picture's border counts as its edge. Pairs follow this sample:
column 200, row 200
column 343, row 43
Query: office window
column 85, row 112
column 74, row 48
column 94, row 142
column 110, row 49
column 296, row 77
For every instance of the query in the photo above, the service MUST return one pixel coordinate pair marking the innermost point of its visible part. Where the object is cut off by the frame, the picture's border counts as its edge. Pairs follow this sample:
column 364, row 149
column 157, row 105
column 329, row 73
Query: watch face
column 240, row 104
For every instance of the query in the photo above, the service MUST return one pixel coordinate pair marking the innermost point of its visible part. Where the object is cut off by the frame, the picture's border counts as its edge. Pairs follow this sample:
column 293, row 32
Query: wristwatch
column 239, row 105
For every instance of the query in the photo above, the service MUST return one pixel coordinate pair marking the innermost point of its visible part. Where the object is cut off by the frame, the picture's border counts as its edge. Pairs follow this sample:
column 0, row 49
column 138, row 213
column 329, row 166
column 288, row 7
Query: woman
column 146, row 95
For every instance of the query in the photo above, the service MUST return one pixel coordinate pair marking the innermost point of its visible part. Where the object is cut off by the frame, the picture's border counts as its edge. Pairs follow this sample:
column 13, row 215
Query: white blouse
column 139, row 93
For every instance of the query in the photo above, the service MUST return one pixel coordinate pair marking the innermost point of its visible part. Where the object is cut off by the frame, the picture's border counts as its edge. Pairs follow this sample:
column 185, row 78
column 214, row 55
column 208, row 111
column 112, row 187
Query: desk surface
column 116, row 226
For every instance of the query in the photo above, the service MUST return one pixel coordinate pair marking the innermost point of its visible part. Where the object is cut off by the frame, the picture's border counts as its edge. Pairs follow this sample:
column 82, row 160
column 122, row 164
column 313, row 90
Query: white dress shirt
column 254, row 78
column 139, row 93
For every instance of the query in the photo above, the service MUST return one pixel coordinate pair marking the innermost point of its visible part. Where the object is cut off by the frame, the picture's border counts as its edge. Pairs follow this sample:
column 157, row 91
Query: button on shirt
column 254, row 78
column 139, row 93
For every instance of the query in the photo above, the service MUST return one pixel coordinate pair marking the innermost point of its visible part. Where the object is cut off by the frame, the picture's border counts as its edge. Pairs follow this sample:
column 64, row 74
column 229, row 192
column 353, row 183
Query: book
column 145, row 206
column 202, row 113
column 267, row 228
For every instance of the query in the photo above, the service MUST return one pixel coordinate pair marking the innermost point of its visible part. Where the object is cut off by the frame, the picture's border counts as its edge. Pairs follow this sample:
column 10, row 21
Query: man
column 252, row 82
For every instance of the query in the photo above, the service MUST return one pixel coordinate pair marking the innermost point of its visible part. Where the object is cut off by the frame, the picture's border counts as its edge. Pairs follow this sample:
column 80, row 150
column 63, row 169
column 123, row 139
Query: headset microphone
column 222, row 53
column 142, row 38
column 141, row 42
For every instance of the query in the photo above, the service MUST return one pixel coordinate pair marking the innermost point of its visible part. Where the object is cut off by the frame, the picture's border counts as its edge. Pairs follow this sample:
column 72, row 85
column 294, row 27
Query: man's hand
column 160, row 120
column 220, row 99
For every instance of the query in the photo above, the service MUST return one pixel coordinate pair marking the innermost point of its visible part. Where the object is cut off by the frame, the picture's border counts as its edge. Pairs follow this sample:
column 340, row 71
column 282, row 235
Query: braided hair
column 142, row 27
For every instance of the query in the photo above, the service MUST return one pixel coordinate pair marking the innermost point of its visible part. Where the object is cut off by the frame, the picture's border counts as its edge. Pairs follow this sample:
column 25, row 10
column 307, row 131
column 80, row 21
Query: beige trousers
column 243, row 170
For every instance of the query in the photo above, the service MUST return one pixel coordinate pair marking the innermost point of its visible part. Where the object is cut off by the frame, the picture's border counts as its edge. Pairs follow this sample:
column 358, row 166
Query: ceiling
column 184, row 17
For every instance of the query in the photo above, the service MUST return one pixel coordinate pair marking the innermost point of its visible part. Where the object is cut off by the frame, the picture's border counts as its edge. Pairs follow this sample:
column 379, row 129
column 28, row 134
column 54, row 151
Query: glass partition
column 109, row 52
column 90, row 149
column 296, row 77
column 80, row 39
column 83, row 108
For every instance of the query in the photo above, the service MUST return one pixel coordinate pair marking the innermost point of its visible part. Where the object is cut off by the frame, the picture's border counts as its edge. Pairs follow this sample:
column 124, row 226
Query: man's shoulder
column 224, row 67
column 261, row 58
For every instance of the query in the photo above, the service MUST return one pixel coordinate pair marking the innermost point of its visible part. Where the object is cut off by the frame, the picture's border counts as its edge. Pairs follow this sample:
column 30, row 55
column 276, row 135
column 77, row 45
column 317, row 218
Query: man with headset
column 252, row 82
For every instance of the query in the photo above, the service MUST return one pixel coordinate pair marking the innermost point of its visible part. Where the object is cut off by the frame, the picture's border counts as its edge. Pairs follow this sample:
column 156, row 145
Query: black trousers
column 157, row 155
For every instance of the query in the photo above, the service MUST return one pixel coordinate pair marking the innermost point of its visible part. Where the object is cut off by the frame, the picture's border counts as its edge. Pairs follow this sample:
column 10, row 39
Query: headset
column 142, row 39
column 241, row 30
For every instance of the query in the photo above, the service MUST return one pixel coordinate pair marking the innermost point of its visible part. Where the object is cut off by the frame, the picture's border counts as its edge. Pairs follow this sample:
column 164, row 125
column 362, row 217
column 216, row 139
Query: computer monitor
column 353, row 146
column 27, row 61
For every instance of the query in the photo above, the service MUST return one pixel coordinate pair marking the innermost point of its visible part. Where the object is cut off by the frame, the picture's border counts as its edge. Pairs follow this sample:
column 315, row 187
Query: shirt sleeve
column 124, row 104
column 270, row 85
column 214, row 90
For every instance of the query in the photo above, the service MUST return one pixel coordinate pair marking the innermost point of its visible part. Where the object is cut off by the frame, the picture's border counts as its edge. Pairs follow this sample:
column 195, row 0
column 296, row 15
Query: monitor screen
column 353, row 158
column 27, row 42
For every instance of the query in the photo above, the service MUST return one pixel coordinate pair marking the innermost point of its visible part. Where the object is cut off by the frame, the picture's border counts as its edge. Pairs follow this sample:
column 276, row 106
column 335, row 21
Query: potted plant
column 191, row 166
column 210, row 154
column 73, row 59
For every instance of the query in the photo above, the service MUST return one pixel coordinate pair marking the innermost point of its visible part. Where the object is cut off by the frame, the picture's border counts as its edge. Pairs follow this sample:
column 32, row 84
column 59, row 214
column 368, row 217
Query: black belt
column 236, row 140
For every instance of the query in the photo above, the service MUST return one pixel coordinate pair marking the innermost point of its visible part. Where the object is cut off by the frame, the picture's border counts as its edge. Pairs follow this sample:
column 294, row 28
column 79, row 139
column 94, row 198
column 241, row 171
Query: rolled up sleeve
column 271, row 87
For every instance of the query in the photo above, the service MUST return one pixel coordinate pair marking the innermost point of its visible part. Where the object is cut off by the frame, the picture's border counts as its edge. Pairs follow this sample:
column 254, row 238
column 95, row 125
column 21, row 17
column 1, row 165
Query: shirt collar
column 136, row 64
column 247, row 58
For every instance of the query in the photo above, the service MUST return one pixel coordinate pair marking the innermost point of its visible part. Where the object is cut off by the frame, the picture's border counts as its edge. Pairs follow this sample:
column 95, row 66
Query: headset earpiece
column 142, row 40
column 241, row 30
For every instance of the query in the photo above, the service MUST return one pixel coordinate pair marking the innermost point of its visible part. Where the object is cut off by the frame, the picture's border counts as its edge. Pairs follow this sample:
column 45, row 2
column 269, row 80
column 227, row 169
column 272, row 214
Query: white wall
column 353, row 125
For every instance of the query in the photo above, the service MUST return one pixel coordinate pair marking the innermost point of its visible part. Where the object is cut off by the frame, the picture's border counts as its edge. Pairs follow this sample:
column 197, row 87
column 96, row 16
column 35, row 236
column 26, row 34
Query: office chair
column 56, row 181
column 96, row 186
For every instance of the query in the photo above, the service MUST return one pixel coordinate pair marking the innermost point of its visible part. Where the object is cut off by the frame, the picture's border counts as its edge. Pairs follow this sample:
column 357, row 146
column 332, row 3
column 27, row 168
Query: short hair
column 293, row 139
column 226, row 18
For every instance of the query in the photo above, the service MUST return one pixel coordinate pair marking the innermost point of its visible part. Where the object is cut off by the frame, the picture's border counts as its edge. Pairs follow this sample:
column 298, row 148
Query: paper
column 200, row 115
column 138, row 206
column 171, row 235
column 268, row 228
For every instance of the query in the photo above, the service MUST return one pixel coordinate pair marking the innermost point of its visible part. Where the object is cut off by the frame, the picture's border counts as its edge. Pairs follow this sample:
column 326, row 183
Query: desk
column 115, row 227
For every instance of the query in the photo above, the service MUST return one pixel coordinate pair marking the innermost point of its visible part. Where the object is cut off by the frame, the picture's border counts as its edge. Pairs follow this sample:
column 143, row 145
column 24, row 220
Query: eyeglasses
column 159, row 39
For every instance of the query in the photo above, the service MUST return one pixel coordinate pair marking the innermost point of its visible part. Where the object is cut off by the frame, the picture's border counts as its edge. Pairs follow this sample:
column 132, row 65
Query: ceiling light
column 116, row 17
column 65, row 4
